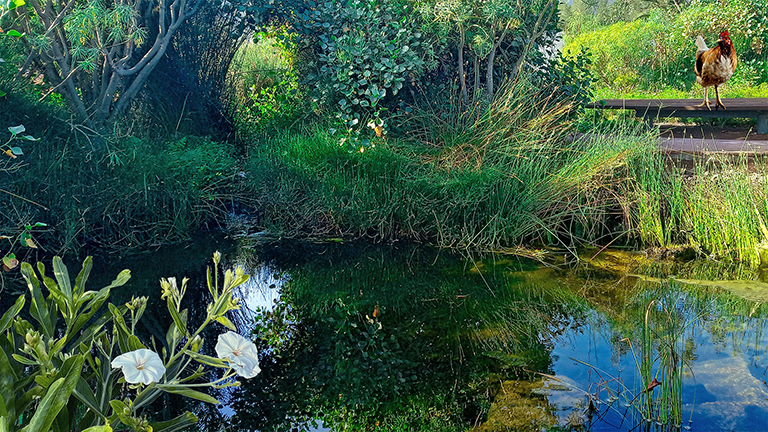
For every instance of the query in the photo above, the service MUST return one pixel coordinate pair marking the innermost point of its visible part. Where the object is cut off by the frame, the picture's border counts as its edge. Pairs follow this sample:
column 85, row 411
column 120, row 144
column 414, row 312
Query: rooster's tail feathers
column 701, row 44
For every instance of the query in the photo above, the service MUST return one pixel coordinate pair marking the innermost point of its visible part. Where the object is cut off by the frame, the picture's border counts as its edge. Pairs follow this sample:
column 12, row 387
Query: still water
column 396, row 338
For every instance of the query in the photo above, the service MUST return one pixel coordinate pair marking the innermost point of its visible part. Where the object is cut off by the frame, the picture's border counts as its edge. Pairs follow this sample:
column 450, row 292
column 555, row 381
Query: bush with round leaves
column 363, row 53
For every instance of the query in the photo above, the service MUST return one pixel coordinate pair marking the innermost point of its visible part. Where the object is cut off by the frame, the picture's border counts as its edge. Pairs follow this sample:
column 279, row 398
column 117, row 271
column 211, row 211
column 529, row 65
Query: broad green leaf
column 119, row 408
column 226, row 322
column 121, row 279
column 17, row 151
column 84, row 394
column 82, row 277
column 11, row 313
column 57, row 396
column 104, row 428
column 122, row 329
column 38, row 308
column 179, row 423
column 62, row 278
column 30, row 138
column 188, row 392
column 7, row 386
column 181, row 325
column 14, row 33
column 134, row 343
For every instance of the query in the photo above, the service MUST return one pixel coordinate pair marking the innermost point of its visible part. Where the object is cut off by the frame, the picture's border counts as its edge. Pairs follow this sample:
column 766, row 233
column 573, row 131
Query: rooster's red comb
column 724, row 34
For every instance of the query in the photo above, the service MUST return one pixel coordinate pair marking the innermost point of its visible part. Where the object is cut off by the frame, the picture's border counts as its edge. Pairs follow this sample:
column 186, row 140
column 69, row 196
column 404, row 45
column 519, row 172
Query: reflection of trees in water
column 385, row 336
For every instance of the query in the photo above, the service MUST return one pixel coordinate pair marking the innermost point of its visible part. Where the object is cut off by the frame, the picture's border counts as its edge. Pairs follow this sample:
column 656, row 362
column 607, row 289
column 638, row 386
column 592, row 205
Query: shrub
column 365, row 52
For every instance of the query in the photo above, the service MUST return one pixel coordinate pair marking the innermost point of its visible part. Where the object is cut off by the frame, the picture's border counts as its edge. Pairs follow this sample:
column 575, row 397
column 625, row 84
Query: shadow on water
column 395, row 338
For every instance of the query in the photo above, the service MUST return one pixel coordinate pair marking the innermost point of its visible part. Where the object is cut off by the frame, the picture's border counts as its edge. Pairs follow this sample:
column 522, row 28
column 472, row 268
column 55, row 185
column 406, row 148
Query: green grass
column 696, row 92
column 508, row 176
column 717, row 208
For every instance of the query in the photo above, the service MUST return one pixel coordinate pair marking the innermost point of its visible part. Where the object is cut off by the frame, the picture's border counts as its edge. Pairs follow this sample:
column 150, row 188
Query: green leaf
column 177, row 424
column 208, row 360
column 134, row 343
column 82, row 277
column 57, row 396
column 62, row 278
column 15, row 130
column 17, row 151
column 23, row 360
column 226, row 322
column 188, row 392
column 104, row 428
column 14, row 33
column 7, row 387
column 11, row 313
column 181, row 325
column 38, row 309
column 84, row 394
column 119, row 408
column 30, row 138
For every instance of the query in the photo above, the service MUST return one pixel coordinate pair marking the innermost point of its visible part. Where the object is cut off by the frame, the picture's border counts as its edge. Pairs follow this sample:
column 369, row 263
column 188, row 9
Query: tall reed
column 502, row 175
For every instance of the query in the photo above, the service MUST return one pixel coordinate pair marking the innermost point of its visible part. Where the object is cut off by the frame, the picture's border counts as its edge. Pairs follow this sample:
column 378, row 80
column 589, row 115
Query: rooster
column 714, row 66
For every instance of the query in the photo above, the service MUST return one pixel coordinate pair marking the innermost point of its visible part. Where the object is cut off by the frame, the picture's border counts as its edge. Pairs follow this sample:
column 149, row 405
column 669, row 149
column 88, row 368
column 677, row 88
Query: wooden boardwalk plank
column 756, row 108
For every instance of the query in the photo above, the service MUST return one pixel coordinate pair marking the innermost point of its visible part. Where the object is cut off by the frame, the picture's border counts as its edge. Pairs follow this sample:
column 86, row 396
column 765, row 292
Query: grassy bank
column 511, row 176
column 134, row 194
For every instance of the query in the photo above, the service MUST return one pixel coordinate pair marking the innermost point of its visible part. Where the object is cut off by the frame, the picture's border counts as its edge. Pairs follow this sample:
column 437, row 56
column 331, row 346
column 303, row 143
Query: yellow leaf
column 10, row 153
column 10, row 263
column 30, row 243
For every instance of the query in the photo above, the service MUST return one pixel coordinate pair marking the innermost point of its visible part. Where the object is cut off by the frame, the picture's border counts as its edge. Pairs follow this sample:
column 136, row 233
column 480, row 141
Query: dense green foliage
column 366, row 51
column 655, row 52
column 513, row 177
column 465, row 115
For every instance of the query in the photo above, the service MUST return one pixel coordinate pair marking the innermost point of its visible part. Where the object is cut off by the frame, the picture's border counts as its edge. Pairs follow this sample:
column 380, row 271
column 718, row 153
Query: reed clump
column 717, row 207
column 503, row 175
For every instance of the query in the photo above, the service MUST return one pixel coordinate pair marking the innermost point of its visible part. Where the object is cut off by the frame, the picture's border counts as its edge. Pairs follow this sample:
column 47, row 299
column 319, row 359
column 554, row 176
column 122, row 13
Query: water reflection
column 366, row 337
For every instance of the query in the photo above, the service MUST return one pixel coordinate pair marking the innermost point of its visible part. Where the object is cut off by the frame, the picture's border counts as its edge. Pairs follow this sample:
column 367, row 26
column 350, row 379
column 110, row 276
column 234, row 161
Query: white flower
column 140, row 366
column 241, row 353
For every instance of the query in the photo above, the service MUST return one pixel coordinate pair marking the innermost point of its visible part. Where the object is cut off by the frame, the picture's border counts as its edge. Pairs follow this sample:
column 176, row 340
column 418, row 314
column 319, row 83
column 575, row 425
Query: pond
column 400, row 338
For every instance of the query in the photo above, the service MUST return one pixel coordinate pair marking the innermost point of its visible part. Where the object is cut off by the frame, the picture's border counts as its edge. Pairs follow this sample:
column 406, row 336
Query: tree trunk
column 462, row 74
column 489, row 75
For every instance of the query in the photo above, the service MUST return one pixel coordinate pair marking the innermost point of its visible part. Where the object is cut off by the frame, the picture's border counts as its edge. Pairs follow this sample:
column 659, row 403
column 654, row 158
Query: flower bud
column 196, row 344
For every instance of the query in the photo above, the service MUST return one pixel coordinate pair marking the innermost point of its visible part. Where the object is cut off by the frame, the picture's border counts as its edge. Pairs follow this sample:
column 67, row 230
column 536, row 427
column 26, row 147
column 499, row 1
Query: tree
column 488, row 29
column 98, row 53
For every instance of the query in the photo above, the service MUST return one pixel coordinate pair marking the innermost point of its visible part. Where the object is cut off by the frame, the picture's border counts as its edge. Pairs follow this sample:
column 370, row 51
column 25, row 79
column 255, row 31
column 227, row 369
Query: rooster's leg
column 719, row 102
column 706, row 98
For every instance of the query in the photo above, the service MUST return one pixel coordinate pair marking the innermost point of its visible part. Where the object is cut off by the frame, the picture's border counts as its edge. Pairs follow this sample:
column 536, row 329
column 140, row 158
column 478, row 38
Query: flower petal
column 242, row 354
column 140, row 366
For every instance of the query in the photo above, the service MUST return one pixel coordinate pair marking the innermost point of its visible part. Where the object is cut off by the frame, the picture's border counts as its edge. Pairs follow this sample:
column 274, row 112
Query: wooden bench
column 660, row 108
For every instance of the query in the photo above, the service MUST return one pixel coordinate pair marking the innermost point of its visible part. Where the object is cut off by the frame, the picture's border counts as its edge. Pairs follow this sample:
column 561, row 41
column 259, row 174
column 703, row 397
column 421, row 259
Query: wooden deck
column 756, row 108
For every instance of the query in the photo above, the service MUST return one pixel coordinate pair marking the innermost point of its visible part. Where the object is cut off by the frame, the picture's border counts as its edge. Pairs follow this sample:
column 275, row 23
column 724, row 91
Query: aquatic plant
column 58, row 368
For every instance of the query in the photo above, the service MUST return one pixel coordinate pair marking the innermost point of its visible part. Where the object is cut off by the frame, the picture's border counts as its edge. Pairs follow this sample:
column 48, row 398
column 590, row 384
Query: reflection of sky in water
column 260, row 292
column 723, row 389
